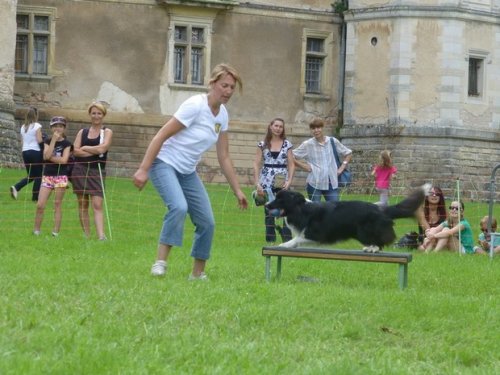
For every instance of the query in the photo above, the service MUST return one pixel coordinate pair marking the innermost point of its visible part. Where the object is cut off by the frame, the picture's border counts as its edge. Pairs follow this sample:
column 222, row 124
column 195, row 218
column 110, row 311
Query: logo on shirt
column 217, row 127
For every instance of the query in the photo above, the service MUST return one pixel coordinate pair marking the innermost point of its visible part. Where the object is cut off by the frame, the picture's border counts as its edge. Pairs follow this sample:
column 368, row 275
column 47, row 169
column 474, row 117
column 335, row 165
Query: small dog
column 330, row 222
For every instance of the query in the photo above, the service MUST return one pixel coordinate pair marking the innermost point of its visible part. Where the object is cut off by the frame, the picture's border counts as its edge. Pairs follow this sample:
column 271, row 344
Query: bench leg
column 278, row 269
column 403, row 276
column 268, row 268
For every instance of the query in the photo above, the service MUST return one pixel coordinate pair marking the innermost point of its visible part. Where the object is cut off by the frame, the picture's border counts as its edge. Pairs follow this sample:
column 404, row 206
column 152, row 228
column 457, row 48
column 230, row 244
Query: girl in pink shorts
column 55, row 174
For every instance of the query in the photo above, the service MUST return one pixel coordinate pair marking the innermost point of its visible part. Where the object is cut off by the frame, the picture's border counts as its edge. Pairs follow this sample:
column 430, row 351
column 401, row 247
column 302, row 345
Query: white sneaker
column 55, row 234
column 13, row 192
column 159, row 268
column 202, row 277
column 36, row 232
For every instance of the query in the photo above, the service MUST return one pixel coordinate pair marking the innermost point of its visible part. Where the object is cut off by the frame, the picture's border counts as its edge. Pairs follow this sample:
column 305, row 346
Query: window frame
column 481, row 73
column 327, row 62
column 189, row 23
column 31, row 33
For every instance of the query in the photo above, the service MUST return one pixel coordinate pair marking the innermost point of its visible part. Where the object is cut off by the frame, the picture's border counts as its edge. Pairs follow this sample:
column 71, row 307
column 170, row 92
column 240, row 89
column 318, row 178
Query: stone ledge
column 349, row 131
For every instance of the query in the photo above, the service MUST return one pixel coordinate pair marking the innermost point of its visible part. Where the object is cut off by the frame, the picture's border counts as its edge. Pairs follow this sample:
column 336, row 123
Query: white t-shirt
column 183, row 150
column 29, row 137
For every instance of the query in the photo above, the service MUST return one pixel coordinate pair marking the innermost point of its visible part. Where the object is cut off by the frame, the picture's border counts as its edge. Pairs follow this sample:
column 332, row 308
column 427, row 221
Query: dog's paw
column 290, row 243
column 371, row 249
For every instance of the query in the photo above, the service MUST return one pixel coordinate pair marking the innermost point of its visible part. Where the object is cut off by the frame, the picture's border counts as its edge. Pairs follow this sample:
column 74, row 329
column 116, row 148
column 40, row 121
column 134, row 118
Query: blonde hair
column 99, row 105
column 484, row 221
column 222, row 69
column 385, row 158
column 30, row 118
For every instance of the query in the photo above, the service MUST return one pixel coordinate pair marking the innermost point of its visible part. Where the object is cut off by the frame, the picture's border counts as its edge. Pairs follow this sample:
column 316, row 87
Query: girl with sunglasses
column 432, row 214
column 447, row 234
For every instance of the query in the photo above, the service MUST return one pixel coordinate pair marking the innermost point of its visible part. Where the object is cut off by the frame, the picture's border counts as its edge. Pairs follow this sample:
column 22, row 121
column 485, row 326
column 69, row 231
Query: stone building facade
column 407, row 86
column 9, row 146
column 383, row 74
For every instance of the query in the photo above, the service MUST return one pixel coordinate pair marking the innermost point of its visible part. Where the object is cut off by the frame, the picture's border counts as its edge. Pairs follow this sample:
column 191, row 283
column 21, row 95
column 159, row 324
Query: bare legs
column 42, row 202
column 432, row 243
column 83, row 213
column 450, row 242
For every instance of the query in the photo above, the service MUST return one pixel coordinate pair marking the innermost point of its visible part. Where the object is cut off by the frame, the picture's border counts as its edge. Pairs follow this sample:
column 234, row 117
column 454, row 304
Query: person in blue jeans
column 316, row 156
column 170, row 161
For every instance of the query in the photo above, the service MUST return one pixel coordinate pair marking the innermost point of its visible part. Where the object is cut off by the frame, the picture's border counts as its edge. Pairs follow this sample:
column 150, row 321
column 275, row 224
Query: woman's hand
column 140, row 178
column 242, row 200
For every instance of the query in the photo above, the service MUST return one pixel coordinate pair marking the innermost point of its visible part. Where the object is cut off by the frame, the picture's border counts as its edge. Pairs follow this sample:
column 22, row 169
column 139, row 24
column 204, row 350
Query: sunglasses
column 434, row 194
column 454, row 208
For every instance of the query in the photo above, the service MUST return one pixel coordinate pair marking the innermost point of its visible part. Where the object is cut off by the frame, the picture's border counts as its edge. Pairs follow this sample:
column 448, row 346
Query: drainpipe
column 341, row 7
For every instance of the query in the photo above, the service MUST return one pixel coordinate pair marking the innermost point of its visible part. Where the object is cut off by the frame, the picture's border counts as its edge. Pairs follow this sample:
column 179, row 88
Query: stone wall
column 8, row 29
column 422, row 154
column 441, row 156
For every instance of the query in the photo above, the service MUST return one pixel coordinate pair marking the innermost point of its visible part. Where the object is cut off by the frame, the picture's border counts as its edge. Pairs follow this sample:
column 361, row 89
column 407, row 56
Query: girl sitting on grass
column 447, row 236
column 484, row 240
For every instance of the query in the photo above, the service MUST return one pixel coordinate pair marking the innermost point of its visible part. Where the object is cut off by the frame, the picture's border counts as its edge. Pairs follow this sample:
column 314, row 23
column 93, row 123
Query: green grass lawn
column 75, row 306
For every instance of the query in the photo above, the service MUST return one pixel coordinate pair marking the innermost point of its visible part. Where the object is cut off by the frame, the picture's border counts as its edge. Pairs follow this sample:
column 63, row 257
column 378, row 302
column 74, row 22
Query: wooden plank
column 353, row 255
column 337, row 254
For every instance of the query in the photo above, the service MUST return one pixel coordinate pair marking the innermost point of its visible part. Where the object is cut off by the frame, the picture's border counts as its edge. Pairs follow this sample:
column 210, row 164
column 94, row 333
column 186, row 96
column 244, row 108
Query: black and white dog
column 330, row 222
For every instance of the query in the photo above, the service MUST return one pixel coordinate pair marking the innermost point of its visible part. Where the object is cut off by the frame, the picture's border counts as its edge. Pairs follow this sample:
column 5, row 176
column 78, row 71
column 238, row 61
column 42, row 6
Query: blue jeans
column 184, row 194
column 315, row 194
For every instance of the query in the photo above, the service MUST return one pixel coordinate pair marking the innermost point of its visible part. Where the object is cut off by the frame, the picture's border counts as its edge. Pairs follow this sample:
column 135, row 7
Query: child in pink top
column 383, row 172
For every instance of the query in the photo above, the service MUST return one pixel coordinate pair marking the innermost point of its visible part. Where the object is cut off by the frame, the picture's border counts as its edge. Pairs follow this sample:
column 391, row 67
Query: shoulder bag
column 345, row 178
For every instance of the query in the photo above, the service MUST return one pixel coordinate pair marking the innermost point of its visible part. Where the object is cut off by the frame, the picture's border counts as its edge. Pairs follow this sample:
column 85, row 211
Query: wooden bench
column 355, row 255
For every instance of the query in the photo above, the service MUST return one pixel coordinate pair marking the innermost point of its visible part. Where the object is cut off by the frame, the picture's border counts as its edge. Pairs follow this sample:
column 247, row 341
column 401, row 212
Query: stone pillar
column 9, row 145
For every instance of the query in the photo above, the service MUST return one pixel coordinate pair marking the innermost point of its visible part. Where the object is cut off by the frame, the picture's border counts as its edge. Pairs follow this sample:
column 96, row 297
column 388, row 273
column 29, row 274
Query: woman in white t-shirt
column 171, row 159
column 31, row 134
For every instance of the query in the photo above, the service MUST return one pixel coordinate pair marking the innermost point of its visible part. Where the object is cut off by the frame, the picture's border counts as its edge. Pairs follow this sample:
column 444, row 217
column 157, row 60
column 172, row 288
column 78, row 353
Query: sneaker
column 55, row 234
column 159, row 268
column 103, row 238
column 36, row 232
column 13, row 192
column 202, row 277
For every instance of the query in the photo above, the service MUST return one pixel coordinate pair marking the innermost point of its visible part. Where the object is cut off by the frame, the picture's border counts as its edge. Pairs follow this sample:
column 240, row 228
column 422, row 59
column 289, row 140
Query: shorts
column 464, row 250
column 52, row 182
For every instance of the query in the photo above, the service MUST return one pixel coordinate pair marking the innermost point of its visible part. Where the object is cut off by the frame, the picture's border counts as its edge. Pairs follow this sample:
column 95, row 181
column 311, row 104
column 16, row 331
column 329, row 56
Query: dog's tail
column 409, row 206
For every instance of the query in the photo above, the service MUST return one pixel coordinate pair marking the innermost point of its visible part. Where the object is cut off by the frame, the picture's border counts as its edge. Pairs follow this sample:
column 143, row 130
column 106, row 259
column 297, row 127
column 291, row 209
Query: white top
column 322, row 161
column 183, row 150
column 29, row 137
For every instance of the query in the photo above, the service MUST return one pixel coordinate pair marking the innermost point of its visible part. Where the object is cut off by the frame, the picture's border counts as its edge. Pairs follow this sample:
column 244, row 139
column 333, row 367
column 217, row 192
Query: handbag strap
column 335, row 153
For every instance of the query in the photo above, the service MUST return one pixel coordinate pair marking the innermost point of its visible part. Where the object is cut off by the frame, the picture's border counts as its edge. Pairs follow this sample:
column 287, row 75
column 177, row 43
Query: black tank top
column 93, row 160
